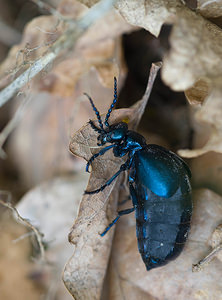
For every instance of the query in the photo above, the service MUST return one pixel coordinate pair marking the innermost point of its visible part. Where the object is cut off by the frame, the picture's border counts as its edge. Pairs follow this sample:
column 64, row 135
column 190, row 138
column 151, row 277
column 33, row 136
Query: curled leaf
column 150, row 15
column 210, row 113
column 85, row 271
column 196, row 49
column 210, row 8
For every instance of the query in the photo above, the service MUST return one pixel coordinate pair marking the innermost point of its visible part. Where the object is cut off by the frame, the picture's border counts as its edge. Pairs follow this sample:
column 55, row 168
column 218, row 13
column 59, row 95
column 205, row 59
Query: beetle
column 159, row 185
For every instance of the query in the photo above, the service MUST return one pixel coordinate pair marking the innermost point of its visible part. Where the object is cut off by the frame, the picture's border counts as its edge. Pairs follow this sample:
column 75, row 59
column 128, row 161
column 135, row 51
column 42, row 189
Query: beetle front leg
column 101, row 152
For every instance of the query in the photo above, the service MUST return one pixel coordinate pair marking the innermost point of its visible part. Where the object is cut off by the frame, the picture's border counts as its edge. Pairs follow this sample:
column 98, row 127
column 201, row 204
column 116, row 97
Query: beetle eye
column 117, row 134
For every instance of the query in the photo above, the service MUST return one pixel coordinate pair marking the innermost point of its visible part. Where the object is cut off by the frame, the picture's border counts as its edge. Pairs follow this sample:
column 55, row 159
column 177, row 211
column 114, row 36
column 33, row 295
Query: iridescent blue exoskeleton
column 159, row 184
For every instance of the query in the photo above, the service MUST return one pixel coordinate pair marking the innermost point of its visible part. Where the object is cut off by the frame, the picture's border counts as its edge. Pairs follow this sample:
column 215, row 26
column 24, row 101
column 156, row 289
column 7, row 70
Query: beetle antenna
column 96, row 111
column 94, row 127
column 112, row 105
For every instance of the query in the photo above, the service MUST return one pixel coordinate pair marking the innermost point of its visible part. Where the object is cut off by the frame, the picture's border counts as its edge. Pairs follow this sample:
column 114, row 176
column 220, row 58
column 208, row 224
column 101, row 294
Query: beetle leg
column 123, row 168
column 94, row 127
column 125, row 200
column 120, row 213
column 133, row 194
column 101, row 152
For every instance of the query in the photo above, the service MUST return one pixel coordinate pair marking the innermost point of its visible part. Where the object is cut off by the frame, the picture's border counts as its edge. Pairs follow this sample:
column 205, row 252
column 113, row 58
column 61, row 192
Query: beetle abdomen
column 162, row 225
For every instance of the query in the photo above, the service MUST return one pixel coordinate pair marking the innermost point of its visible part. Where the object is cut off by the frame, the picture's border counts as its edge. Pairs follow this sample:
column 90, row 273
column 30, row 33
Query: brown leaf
column 216, row 240
column 209, row 113
column 51, row 207
column 196, row 43
column 15, row 265
column 193, row 62
column 97, row 48
column 196, row 49
column 82, row 276
column 41, row 139
column 206, row 171
column 150, row 15
column 198, row 92
column 85, row 271
column 34, row 43
column 210, row 9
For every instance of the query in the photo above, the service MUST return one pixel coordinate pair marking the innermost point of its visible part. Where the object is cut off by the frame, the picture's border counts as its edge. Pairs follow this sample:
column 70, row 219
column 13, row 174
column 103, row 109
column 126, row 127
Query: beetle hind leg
column 120, row 213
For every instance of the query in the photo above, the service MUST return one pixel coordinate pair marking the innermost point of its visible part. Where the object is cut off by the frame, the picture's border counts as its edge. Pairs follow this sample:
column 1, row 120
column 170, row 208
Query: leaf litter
column 193, row 64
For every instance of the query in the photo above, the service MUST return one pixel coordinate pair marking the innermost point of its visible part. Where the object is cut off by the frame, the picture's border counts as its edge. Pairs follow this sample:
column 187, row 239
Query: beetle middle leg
column 120, row 213
column 123, row 168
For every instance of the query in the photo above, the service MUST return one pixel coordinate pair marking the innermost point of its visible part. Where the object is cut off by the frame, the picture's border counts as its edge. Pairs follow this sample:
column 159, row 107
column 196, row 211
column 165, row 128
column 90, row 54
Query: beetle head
column 113, row 134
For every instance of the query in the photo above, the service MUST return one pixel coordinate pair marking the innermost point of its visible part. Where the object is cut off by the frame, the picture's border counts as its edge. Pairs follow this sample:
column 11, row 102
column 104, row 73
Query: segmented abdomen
column 162, row 224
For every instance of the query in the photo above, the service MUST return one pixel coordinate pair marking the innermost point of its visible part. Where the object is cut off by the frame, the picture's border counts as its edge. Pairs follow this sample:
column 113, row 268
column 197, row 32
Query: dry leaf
column 82, row 276
column 206, row 171
column 195, row 42
column 196, row 50
column 210, row 8
column 15, row 264
column 150, row 15
column 209, row 113
column 51, row 207
column 194, row 59
column 198, row 92
column 216, row 240
column 97, row 48
column 41, row 139
column 38, row 34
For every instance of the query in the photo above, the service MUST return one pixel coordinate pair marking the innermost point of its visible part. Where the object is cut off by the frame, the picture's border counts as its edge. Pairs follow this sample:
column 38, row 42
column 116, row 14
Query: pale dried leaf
column 210, row 113
column 216, row 240
column 150, row 15
column 82, row 276
column 97, row 48
column 41, row 139
column 198, row 92
column 210, row 8
column 15, row 263
column 37, row 36
column 196, row 43
column 196, row 50
column 89, row 3
column 52, row 207
column 206, row 171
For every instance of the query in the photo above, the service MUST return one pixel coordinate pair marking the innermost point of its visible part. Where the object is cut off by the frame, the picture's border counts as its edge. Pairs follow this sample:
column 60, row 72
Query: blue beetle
column 159, row 184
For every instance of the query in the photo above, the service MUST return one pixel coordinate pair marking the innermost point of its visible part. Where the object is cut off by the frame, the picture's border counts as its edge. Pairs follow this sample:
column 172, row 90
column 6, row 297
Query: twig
column 65, row 42
column 37, row 233
column 47, row 7
column 22, row 237
column 197, row 267
column 141, row 105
